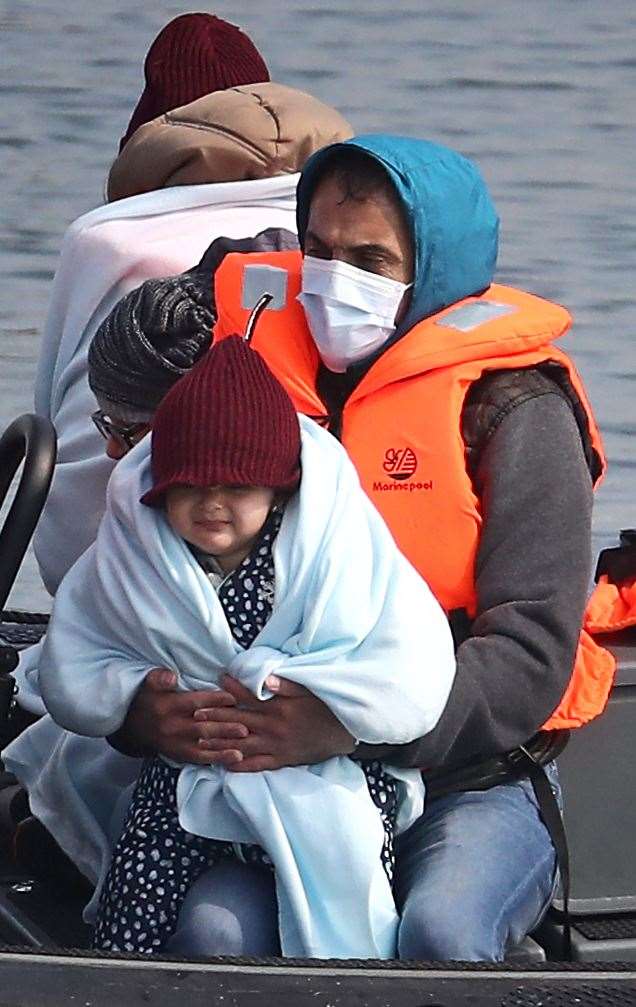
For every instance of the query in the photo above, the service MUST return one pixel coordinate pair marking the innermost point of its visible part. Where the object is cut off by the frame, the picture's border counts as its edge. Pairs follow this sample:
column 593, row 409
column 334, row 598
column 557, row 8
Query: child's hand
column 292, row 729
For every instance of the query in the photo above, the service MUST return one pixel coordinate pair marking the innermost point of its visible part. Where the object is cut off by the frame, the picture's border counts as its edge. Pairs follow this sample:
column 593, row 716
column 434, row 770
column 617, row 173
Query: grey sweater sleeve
column 532, row 576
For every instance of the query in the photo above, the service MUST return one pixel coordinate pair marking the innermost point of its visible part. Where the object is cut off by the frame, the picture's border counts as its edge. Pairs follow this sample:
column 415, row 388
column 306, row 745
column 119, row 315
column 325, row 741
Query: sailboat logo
column 400, row 463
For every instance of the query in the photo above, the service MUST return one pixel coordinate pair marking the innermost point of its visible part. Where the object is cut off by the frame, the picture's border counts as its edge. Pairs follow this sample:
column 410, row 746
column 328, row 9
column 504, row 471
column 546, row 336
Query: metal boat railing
column 32, row 439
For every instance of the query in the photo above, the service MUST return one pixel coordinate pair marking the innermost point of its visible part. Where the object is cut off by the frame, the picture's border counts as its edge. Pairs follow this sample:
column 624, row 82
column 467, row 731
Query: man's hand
column 160, row 720
column 293, row 728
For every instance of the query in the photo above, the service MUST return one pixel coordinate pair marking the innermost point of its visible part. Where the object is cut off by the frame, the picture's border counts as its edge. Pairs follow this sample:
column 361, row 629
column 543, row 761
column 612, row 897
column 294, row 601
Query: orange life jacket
column 612, row 607
column 401, row 427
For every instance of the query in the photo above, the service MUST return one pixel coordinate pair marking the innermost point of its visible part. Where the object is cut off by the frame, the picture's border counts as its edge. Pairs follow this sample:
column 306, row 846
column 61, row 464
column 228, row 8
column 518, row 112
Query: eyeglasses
column 126, row 436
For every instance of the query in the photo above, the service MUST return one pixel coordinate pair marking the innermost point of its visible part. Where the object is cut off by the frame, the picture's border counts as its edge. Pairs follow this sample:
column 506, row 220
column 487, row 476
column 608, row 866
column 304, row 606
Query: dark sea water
column 541, row 94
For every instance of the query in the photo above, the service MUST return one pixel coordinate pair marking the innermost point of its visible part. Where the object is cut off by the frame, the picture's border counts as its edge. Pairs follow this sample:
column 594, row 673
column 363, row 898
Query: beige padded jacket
column 248, row 132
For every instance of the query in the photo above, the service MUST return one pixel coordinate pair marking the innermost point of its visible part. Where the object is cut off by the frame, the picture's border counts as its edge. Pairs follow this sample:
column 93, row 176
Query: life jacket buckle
column 519, row 758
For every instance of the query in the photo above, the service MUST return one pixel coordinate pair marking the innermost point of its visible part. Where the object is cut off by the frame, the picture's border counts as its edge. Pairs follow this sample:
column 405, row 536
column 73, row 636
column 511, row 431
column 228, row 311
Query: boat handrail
column 33, row 439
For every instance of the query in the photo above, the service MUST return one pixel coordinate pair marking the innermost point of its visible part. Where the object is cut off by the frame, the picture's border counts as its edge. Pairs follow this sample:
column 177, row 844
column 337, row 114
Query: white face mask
column 350, row 312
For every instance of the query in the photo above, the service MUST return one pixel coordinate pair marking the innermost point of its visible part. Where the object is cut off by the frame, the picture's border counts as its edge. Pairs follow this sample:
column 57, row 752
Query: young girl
column 243, row 542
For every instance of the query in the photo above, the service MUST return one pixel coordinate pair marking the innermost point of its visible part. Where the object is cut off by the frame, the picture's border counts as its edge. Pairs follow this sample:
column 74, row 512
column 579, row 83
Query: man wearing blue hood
column 472, row 434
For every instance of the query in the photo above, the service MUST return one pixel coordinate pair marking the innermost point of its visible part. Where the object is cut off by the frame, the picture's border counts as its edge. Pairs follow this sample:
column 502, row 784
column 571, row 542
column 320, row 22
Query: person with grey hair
column 153, row 336
column 149, row 340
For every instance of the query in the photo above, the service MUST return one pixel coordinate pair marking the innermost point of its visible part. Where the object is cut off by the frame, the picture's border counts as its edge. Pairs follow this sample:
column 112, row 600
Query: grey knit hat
column 157, row 332
column 150, row 339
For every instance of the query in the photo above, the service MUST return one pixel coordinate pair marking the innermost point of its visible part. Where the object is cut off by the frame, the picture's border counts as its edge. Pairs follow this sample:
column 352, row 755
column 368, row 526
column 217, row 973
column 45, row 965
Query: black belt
column 541, row 749
column 525, row 762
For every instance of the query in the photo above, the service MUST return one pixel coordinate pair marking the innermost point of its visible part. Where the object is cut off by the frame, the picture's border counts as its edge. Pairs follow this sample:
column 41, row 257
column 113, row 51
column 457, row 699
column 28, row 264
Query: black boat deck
column 48, row 980
column 41, row 931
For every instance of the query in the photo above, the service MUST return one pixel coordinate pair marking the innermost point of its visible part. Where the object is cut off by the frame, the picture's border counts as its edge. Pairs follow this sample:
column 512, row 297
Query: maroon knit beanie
column 195, row 54
column 227, row 422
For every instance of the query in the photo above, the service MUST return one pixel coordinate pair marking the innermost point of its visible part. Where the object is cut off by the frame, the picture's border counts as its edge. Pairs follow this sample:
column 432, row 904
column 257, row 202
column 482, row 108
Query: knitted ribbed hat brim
column 155, row 496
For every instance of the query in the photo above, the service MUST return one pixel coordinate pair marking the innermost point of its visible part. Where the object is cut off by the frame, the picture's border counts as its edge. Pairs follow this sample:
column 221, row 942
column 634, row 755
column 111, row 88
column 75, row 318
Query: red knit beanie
column 227, row 422
column 195, row 54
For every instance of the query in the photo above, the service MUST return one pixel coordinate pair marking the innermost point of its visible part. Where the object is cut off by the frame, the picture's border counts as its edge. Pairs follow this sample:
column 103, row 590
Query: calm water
column 541, row 94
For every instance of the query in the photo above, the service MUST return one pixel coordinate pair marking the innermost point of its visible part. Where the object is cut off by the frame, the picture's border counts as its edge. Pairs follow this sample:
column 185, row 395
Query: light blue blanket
column 352, row 621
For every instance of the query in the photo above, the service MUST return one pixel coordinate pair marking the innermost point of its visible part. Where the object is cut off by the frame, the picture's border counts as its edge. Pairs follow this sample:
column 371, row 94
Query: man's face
column 371, row 233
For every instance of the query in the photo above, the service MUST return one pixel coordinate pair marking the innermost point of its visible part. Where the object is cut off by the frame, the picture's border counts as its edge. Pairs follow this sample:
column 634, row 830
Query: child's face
column 221, row 520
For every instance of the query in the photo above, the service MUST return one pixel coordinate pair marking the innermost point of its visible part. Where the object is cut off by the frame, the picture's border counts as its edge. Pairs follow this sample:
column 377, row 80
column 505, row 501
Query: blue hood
column 453, row 221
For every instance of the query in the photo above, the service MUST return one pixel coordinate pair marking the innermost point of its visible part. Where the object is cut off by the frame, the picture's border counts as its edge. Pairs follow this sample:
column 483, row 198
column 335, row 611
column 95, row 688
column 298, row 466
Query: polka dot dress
column 155, row 861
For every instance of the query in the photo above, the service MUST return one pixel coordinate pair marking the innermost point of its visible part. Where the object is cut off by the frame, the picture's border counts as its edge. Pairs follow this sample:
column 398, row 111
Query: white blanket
column 105, row 254
column 352, row 621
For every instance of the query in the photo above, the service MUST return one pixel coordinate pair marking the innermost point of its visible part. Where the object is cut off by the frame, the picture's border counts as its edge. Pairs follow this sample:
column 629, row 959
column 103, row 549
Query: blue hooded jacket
column 453, row 221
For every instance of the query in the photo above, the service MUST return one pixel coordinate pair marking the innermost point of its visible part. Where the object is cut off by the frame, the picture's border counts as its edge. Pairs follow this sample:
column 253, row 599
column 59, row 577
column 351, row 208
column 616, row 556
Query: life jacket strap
column 552, row 818
column 525, row 762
